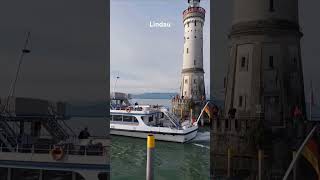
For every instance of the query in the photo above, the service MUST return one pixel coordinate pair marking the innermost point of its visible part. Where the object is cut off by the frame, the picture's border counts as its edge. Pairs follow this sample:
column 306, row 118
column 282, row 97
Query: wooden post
column 295, row 166
column 229, row 162
column 260, row 159
column 191, row 113
column 181, row 112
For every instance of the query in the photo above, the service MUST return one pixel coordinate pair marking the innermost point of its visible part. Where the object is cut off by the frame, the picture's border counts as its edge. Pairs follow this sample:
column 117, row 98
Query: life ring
column 128, row 110
column 57, row 153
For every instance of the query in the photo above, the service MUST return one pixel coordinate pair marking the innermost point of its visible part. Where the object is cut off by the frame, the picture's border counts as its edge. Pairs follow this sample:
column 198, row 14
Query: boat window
column 127, row 118
column 135, row 120
column 162, row 115
column 117, row 118
column 150, row 118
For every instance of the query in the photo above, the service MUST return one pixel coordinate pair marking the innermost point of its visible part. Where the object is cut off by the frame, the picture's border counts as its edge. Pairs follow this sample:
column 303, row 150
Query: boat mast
column 24, row 51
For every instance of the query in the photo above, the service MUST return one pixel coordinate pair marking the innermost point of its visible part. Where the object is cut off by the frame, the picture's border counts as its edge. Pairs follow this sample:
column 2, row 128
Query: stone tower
column 192, row 80
column 264, row 85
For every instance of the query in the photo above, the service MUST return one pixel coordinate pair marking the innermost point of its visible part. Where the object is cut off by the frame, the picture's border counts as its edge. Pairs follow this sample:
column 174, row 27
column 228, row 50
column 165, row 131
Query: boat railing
column 82, row 150
column 172, row 119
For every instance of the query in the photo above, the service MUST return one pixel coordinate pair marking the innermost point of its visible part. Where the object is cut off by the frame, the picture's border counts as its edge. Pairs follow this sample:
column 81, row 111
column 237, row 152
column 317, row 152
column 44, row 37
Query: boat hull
column 172, row 137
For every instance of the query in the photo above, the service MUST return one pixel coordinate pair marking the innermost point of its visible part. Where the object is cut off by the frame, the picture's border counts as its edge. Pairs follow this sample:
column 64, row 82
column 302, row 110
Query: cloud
column 149, row 59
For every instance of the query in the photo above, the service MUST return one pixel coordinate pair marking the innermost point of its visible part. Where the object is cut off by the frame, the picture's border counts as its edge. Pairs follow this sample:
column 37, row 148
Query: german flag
column 211, row 110
column 207, row 109
column 311, row 153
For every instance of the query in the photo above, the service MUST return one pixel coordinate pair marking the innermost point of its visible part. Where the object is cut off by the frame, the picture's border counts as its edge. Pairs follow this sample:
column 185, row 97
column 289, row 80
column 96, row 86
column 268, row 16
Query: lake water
column 175, row 161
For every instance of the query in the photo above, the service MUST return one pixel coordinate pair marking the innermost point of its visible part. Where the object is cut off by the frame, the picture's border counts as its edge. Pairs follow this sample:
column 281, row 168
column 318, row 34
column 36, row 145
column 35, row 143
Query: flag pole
column 201, row 112
column 293, row 162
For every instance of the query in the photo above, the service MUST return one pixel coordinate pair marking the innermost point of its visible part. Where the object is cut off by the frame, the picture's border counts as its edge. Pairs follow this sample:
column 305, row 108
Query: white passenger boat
column 36, row 143
column 141, row 120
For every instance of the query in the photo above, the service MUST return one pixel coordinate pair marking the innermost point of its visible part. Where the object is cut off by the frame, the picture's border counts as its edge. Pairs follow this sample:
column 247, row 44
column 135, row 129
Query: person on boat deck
column 84, row 134
column 136, row 104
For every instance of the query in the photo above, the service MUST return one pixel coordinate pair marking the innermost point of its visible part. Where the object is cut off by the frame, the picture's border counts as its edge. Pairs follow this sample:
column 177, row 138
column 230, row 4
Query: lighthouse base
column 188, row 109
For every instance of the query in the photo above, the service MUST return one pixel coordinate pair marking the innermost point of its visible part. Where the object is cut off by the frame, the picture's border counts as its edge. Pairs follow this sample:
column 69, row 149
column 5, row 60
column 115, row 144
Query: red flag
column 297, row 112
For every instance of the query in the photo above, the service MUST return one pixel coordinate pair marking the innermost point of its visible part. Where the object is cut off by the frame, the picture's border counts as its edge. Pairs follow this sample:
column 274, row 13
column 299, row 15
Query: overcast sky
column 150, row 59
column 68, row 39
column 309, row 11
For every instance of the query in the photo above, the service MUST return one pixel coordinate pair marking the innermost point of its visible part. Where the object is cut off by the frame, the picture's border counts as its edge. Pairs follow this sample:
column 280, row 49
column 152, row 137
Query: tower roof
column 194, row 3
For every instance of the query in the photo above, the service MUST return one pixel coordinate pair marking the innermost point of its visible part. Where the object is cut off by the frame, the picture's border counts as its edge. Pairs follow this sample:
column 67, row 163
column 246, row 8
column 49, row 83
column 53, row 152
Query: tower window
column 195, row 23
column 240, row 101
column 271, row 64
column 194, row 81
column 218, row 123
column 194, row 62
column 186, row 81
column 187, row 50
column 271, row 6
column 226, row 125
column 188, row 24
column 236, row 125
column 195, row 36
column 243, row 62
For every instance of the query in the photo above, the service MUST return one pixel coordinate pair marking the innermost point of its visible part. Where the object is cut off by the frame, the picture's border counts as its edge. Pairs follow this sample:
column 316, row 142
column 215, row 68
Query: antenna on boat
column 24, row 51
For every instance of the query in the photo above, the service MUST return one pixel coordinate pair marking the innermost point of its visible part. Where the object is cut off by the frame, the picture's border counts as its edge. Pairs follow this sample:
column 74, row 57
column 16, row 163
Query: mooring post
column 260, row 157
column 150, row 154
column 229, row 163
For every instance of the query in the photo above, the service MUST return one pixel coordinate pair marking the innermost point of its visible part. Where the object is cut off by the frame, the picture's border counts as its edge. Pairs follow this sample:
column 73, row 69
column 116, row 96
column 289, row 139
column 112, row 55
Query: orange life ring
column 128, row 110
column 57, row 153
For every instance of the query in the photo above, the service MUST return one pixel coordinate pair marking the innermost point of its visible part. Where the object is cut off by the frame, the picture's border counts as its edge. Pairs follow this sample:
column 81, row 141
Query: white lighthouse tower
column 192, row 80
column 264, row 87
